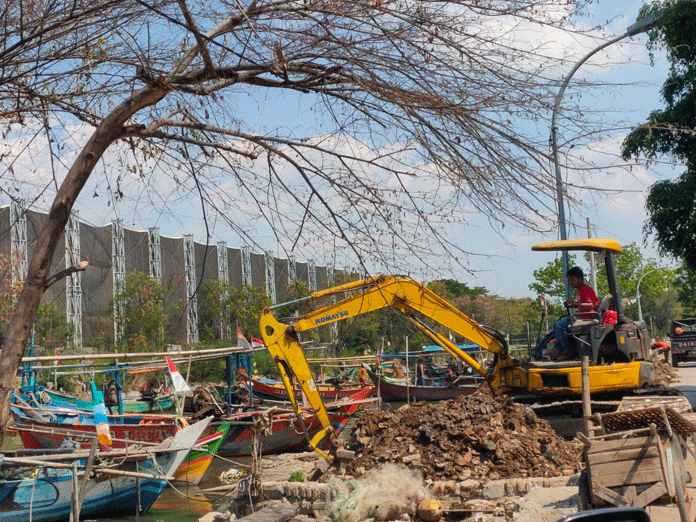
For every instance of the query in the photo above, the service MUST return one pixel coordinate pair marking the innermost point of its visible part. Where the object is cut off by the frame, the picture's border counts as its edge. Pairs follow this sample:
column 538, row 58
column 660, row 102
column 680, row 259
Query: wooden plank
column 272, row 514
column 617, row 444
column 626, row 478
column 630, row 493
column 628, row 469
column 649, row 495
column 667, row 464
column 609, row 496
column 623, row 455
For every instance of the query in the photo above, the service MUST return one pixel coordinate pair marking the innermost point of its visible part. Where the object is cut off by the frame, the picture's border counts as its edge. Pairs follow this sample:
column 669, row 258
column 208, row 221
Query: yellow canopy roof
column 594, row 244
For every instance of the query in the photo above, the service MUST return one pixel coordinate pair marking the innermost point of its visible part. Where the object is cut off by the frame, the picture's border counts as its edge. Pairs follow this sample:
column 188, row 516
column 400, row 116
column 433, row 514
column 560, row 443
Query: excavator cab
column 620, row 340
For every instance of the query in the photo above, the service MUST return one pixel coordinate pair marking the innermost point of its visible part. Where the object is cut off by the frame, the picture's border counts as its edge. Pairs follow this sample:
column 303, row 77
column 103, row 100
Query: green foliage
column 212, row 371
column 210, row 306
column 662, row 309
column 51, row 329
column 298, row 476
column 550, row 279
column 294, row 292
column 665, row 201
column 245, row 305
column 146, row 327
column 685, row 282
column 451, row 289
column 265, row 364
column 222, row 306
column 670, row 131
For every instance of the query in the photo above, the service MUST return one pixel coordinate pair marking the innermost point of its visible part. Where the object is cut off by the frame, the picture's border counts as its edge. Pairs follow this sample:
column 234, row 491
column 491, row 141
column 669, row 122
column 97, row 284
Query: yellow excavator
column 618, row 352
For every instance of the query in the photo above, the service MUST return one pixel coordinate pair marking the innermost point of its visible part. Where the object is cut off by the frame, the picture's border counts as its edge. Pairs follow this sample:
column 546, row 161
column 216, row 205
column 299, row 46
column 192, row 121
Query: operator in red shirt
column 587, row 302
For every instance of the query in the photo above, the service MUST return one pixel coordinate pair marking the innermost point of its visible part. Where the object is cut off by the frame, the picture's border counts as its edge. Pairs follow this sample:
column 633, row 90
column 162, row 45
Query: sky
column 505, row 263
column 508, row 270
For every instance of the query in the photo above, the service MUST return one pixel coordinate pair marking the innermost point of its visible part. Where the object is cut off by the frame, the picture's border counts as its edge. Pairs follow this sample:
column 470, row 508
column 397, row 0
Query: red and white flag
column 177, row 380
column 256, row 343
column 241, row 340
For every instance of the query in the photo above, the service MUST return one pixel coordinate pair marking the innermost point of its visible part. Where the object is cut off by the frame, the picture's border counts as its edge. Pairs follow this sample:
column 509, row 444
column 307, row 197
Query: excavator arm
column 284, row 346
column 403, row 294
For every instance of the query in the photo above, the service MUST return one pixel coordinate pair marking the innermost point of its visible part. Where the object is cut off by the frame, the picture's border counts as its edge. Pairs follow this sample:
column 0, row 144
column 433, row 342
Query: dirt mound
column 473, row 437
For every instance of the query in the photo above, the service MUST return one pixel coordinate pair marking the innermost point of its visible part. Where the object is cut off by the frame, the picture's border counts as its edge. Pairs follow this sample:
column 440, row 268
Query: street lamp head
column 644, row 24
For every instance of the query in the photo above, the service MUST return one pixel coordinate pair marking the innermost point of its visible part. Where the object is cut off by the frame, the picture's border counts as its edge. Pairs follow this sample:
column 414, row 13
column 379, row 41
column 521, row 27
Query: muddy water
column 182, row 503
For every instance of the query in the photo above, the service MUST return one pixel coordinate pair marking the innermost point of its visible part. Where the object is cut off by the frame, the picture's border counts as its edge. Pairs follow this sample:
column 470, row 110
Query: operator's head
column 575, row 277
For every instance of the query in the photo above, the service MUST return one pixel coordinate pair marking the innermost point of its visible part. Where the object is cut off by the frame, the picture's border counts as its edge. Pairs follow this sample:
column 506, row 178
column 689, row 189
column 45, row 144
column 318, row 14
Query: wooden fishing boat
column 43, row 427
column 201, row 456
column 155, row 404
column 41, row 489
column 393, row 391
column 274, row 390
column 282, row 432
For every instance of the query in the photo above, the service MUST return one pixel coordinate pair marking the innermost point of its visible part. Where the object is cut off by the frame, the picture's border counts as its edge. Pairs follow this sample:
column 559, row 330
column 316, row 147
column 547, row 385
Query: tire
column 675, row 360
column 584, row 493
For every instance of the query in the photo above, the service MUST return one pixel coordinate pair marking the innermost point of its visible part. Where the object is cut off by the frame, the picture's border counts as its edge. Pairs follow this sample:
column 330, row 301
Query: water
column 184, row 503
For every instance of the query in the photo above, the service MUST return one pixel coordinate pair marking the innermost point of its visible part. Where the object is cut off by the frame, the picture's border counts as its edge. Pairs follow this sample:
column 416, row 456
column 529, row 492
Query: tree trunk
column 24, row 313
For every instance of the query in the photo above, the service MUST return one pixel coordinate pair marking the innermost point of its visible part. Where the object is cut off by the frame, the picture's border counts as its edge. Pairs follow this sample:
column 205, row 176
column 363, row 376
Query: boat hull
column 48, row 496
column 283, row 432
column 398, row 392
column 158, row 405
column 276, row 391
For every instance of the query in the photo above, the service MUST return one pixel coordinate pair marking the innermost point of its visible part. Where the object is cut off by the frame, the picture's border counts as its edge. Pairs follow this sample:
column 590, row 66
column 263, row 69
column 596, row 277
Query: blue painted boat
column 43, row 493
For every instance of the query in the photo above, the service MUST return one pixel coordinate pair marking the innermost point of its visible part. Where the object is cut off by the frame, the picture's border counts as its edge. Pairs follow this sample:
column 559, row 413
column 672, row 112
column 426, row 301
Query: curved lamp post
column 640, row 310
column 641, row 26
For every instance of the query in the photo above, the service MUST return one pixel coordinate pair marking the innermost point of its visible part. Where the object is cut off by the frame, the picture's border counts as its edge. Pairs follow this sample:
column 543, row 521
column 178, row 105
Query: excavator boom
column 367, row 295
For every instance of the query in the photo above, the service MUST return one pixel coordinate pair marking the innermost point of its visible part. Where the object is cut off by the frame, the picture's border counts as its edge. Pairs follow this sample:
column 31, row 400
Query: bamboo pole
column 85, row 479
column 586, row 404
column 74, row 504
column 136, row 474
column 137, row 355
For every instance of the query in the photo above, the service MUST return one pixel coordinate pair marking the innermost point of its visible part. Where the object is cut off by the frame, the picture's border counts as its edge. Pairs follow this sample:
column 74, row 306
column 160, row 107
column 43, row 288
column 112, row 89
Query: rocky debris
column 478, row 437
column 665, row 373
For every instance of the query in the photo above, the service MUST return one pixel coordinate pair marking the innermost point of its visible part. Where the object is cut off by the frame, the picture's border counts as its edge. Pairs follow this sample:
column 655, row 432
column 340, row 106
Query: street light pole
column 641, row 26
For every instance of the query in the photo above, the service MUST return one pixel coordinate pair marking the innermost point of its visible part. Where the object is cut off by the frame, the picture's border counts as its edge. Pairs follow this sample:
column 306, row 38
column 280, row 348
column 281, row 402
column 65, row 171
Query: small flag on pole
column 177, row 380
column 241, row 340
column 256, row 343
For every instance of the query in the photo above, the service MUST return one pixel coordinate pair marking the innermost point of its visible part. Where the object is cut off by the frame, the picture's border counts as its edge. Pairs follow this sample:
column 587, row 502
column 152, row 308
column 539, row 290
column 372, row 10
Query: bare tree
column 413, row 104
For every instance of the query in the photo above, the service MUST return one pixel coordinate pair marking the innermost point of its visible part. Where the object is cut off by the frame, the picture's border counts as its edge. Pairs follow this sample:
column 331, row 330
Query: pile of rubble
column 665, row 374
column 478, row 436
